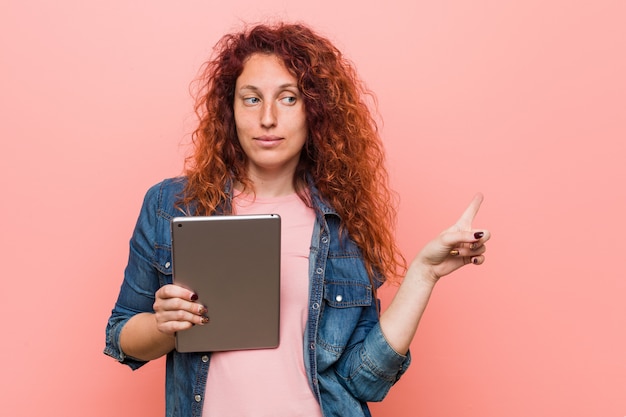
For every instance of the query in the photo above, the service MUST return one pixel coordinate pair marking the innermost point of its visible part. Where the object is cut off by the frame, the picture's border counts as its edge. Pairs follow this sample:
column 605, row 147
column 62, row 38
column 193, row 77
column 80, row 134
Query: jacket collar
column 318, row 202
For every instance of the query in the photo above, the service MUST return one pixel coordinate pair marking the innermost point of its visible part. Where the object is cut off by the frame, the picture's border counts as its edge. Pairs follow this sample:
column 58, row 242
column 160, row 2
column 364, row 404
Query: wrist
column 422, row 273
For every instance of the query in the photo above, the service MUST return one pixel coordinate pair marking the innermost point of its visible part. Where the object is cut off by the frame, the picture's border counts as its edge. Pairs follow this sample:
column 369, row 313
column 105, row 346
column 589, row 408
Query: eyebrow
column 280, row 87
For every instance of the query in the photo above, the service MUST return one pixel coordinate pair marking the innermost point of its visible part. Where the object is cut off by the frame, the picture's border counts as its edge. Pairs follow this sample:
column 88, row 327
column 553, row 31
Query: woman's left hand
column 455, row 247
column 459, row 245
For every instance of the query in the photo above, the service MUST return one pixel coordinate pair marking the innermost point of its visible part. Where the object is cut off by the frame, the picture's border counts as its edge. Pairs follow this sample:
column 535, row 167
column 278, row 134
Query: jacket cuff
column 382, row 358
column 113, row 348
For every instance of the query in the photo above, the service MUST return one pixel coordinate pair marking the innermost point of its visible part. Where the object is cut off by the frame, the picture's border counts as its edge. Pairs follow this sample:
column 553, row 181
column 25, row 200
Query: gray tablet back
column 233, row 264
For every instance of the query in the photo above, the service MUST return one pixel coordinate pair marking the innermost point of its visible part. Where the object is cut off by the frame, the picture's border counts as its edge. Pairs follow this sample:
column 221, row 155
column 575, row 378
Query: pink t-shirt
column 271, row 382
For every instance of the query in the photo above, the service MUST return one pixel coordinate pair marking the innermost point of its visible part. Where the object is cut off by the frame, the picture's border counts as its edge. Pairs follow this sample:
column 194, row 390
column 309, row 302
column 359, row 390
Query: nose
column 268, row 114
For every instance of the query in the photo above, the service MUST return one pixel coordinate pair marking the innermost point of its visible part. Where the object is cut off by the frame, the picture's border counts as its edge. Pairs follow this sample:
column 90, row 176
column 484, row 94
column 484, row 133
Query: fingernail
column 202, row 310
column 194, row 297
column 205, row 319
column 478, row 235
column 454, row 252
column 475, row 261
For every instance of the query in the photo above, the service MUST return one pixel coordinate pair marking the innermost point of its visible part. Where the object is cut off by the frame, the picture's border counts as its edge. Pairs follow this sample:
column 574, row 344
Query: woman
column 284, row 129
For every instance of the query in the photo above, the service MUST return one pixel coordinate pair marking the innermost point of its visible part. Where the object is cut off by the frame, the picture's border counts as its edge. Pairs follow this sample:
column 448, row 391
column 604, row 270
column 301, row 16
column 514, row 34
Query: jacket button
column 315, row 306
column 167, row 264
column 319, row 270
column 324, row 239
column 205, row 358
column 338, row 298
column 198, row 398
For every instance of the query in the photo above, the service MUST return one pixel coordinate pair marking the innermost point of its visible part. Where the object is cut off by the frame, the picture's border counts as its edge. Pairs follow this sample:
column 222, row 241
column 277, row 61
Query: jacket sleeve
column 141, row 279
column 369, row 366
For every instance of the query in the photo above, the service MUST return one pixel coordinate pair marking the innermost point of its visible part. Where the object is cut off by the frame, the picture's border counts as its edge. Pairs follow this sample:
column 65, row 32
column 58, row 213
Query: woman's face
column 269, row 117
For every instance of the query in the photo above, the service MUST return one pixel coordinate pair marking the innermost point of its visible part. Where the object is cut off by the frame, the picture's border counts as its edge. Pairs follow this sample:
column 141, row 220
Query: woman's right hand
column 176, row 308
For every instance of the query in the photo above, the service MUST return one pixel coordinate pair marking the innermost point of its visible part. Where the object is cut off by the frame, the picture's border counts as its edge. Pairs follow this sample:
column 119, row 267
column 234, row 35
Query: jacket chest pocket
column 344, row 305
column 347, row 294
column 163, row 264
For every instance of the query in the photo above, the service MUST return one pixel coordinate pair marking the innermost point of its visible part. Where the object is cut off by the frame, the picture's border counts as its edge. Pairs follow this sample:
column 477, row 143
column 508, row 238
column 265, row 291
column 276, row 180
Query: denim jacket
column 347, row 358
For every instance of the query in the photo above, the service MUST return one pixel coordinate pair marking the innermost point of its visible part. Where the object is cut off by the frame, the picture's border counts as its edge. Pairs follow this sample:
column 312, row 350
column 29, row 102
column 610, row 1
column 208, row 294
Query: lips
column 268, row 142
column 269, row 138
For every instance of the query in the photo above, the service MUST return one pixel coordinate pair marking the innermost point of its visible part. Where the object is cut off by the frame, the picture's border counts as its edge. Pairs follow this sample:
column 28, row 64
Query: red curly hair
column 343, row 155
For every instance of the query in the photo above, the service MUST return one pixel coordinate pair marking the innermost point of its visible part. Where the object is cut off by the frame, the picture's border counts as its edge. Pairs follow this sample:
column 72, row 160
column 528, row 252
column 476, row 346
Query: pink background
column 522, row 100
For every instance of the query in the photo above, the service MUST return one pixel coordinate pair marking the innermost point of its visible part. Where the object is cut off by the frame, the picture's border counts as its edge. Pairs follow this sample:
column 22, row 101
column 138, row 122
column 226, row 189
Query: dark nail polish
column 475, row 261
column 194, row 297
column 478, row 235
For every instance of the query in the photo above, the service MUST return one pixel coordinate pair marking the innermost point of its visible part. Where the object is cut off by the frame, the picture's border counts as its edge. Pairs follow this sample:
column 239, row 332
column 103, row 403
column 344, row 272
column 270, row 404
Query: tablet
column 233, row 264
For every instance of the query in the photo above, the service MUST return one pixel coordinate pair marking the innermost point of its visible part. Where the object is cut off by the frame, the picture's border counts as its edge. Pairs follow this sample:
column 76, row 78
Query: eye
column 251, row 100
column 290, row 100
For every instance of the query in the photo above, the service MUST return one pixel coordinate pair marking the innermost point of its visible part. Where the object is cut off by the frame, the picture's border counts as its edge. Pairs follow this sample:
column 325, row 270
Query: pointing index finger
column 470, row 212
